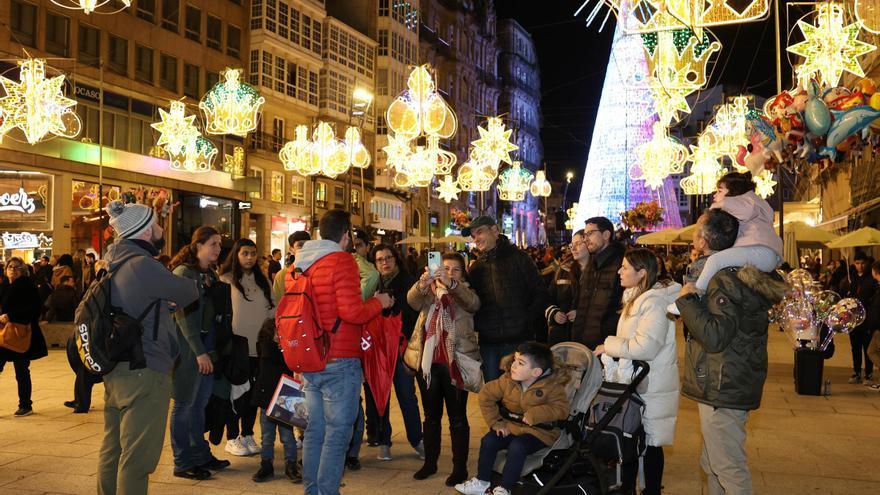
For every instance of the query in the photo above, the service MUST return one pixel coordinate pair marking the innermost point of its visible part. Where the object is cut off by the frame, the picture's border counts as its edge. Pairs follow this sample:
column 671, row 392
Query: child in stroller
column 521, row 408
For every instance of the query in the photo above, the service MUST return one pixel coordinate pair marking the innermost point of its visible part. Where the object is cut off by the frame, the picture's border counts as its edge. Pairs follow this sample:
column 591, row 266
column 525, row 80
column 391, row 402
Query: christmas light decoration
column 646, row 16
column 705, row 172
column 36, row 105
column 324, row 153
column 89, row 6
column 475, row 177
column 625, row 117
column 176, row 129
column 197, row 156
column 728, row 129
column 494, row 145
column 447, row 189
column 358, row 156
column 231, row 106
column 868, row 13
column 294, row 154
column 829, row 48
column 234, row 164
column 764, row 183
column 658, row 158
column 572, row 214
column 420, row 110
column 514, row 182
column 540, row 188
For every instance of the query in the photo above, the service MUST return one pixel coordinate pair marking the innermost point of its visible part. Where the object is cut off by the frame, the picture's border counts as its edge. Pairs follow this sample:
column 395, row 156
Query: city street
column 796, row 444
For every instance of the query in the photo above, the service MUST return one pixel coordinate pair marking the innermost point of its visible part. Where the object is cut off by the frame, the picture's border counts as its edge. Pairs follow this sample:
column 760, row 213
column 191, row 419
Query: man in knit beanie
column 136, row 400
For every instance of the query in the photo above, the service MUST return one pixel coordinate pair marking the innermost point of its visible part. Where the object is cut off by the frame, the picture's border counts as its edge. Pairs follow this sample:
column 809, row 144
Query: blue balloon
column 816, row 114
column 848, row 122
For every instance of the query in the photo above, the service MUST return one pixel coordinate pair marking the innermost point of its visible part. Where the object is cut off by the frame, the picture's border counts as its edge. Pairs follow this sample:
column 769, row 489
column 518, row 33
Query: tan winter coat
column 544, row 401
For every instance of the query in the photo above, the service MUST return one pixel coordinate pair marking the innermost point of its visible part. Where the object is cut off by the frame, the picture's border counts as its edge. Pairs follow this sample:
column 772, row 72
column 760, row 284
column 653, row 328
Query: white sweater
column 248, row 316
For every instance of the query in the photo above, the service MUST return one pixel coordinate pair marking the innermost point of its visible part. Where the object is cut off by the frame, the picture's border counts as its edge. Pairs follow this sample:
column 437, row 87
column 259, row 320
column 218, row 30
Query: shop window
column 277, row 187
column 57, row 34
column 143, row 65
column 146, row 10
column 24, row 22
column 298, row 191
column 339, row 197
column 88, row 44
column 215, row 31
column 258, row 173
column 193, row 23
column 118, row 55
column 86, row 229
column 233, row 41
column 321, row 195
column 168, row 72
column 191, row 81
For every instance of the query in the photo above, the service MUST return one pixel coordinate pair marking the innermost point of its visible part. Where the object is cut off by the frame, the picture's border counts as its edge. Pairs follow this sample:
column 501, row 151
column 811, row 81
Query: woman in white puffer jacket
column 645, row 333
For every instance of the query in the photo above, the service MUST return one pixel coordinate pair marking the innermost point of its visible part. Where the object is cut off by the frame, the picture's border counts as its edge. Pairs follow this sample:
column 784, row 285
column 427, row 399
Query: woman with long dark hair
column 193, row 377
column 20, row 304
column 251, row 307
column 644, row 333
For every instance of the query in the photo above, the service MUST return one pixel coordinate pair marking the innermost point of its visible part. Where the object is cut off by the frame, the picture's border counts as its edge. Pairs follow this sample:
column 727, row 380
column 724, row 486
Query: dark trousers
column 23, row 377
column 246, row 413
column 518, row 448
column 492, row 354
column 379, row 428
column 653, row 464
column 441, row 392
column 859, row 339
column 82, row 389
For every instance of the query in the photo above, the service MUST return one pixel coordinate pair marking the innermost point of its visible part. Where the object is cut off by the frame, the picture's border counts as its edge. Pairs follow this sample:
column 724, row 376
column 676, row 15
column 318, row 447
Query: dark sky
column 573, row 58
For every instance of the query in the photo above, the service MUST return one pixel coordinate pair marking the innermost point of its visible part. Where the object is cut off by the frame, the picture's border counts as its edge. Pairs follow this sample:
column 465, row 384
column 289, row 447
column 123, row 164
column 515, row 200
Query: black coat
column 398, row 287
column 863, row 287
column 563, row 293
column 20, row 301
column 512, row 295
column 271, row 368
column 600, row 295
column 61, row 305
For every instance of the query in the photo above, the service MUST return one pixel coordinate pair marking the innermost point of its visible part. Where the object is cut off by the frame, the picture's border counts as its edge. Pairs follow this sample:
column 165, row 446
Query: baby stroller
column 605, row 437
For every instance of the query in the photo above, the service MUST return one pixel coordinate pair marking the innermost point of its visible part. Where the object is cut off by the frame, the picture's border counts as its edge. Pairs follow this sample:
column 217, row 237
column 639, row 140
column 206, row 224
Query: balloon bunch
column 807, row 307
column 814, row 124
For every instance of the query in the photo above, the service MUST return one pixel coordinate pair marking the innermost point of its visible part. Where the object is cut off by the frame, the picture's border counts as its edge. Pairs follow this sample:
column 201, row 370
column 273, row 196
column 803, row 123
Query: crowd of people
column 481, row 323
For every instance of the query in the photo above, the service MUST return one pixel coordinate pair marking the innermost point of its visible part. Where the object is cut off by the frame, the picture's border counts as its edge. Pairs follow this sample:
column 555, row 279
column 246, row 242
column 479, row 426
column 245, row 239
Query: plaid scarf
column 441, row 318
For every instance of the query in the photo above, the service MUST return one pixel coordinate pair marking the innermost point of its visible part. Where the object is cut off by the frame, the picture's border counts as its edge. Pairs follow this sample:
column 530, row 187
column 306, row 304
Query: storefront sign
column 17, row 201
column 245, row 205
column 25, row 201
column 21, row 240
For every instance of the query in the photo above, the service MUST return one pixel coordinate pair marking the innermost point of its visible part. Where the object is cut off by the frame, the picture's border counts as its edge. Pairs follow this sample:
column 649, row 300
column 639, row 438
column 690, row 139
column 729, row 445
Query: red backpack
column 304, row 344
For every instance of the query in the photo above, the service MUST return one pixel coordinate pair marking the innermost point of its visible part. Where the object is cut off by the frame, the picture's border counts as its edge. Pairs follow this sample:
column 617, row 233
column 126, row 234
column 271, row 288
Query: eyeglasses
column 387, row 259
column 588, row 233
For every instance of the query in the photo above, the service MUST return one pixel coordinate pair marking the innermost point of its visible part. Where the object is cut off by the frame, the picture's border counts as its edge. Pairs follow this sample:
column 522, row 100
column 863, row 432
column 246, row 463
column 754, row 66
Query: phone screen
column 435, row 263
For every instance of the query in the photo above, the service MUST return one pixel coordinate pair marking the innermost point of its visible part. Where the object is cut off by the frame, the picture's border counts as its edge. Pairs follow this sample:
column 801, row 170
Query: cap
column 480, row 221
column 129, row 220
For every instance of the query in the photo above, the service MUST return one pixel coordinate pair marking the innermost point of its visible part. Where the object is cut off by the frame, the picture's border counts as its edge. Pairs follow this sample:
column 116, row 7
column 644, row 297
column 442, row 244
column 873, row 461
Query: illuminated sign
column 22, row 240
column 17, row 201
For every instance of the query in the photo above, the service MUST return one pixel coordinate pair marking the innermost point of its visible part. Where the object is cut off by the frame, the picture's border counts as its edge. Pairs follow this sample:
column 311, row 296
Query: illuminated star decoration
column 234, row 164
column 829, row 48
column 659, row 157
column 231, row 106
column 89, row 6
column 704, row 174
column 494, row 146
column 514, row 182
column 176, row 129
column 540, row 188
column 447, row 189
column 764, row 183
column 36, row 105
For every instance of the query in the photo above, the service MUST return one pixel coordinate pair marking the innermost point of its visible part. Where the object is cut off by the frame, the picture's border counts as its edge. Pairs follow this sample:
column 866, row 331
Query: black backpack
column 105, row 335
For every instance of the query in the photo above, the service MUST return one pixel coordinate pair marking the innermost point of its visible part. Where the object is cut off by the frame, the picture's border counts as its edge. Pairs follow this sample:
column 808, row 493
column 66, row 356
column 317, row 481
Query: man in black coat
column 512, row 295
column 862, row 287
column 61, row 305
column 597, row 308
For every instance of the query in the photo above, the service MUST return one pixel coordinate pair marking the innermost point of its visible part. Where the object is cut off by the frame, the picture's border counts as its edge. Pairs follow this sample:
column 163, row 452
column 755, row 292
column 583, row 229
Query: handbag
column 471, row 372
column 16, row 336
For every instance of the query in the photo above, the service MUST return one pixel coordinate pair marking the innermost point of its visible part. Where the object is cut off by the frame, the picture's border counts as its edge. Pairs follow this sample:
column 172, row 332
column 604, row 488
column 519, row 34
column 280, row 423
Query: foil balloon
column 846, row 123
column 845, row 315
column 816, row 114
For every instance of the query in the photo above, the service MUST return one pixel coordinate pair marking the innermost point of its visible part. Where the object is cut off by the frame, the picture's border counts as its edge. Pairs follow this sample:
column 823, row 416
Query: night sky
column 573, row 58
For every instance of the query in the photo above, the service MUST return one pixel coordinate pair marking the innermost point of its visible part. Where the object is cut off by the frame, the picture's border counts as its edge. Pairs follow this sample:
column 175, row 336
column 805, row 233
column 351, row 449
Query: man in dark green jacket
column 726, row 356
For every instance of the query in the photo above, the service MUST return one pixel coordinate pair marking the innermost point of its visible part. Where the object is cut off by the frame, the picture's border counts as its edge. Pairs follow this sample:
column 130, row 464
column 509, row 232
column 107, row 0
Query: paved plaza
column 796, row 444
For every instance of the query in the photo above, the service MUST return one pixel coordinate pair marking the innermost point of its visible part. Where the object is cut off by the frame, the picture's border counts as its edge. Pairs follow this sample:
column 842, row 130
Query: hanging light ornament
column 829, row 48
column 540, row 188
column 234, row 164
column 324, row 154
column 764, row 183
column 231, row 106
column 420, row 110
column 36, row 105
column 514, row 182
column 176, row 129
column 659, row 157
column 474, row 177
column 494, row 146
column 89, row 6
column 571, row 213
column 294, row 154
column 358, row 156
column 728, row 130
column 197, row 156
column 648, row 16
column 447, row 189
column 705, row 172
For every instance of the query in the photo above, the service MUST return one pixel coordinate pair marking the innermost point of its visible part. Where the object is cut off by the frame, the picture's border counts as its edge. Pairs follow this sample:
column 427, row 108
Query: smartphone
column 435, row 263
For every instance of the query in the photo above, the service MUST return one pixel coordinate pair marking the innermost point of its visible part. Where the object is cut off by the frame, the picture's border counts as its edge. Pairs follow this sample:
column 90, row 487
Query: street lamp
column 568, row 176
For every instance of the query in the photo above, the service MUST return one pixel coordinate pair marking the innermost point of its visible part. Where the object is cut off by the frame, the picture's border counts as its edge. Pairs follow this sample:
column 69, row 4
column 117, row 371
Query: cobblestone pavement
column 796, row 444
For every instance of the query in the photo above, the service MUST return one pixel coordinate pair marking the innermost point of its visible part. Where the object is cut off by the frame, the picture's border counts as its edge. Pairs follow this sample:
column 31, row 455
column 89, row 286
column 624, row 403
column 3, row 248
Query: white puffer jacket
column 648, row 335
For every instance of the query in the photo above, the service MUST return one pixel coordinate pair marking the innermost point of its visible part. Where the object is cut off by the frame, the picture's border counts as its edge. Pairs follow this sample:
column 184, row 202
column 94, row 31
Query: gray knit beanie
column 129, row 220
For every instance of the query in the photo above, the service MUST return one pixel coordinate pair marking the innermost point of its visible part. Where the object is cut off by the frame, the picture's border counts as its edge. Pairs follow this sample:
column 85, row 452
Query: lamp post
column 361, row 101
column 568, row 177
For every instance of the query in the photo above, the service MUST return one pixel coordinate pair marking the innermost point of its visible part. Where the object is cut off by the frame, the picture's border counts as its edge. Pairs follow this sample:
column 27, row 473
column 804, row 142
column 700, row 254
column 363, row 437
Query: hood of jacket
column 770, row 285
column 312, row 251
column 558, row 375
column 122, row 249
column 664, row 292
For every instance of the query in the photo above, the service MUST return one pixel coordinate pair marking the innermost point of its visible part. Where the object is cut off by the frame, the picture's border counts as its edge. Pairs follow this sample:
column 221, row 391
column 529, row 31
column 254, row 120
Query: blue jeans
column 188, row 428
column 405, row 389
column 332, row 399
column 492, row 354
column 267, row 442
column 518, row 448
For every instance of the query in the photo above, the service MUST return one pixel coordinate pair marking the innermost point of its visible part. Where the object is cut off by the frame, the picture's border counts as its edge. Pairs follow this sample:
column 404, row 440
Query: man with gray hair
column 136, row 400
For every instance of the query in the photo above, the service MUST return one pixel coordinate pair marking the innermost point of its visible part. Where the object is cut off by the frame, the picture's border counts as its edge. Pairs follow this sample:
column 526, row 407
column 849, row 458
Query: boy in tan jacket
column 517, row 407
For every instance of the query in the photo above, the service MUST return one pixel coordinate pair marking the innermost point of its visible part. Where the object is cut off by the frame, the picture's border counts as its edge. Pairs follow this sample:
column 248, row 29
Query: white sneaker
column 673, row 310
column 251, row 444
column 384, row 453
column 473, row 486
column 500, row 490
column 420, row 450
column 237, row 447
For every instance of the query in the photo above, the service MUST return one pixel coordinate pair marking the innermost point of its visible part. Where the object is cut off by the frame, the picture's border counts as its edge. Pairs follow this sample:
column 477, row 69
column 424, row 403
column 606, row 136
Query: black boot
column 460, row 442
column 431, row 439
column 266, row 471
column 291, row 472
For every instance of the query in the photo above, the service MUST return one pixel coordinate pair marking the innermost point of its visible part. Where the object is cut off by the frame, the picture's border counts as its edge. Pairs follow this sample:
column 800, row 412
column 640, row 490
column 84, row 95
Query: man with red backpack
column 332, row 394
